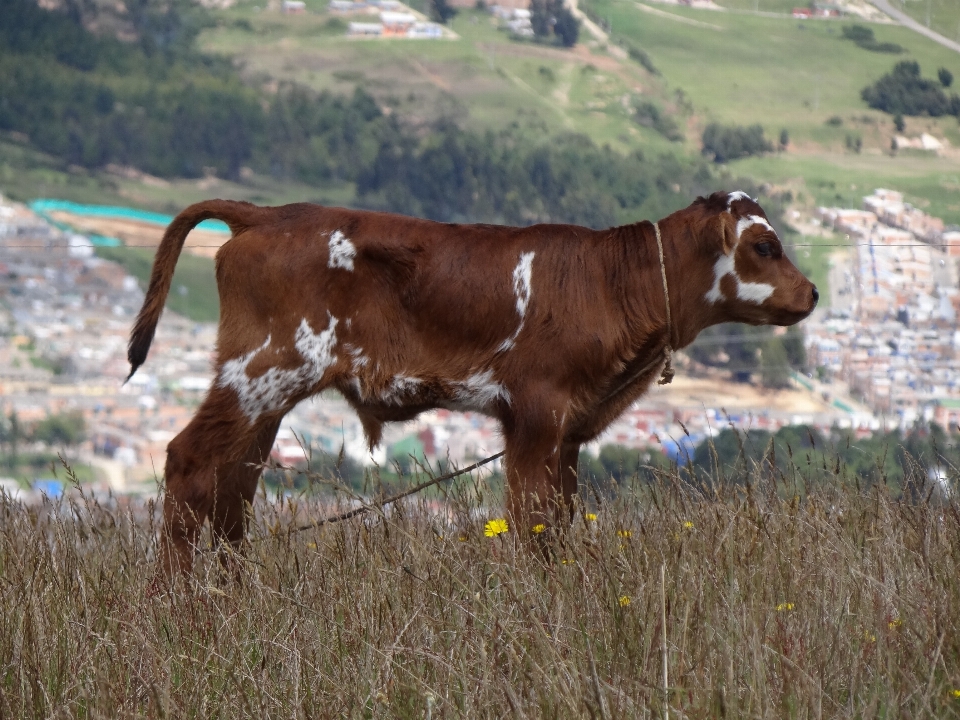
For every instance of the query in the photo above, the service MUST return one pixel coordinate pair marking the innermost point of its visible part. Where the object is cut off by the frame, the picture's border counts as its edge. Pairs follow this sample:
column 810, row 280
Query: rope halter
column 666, row 375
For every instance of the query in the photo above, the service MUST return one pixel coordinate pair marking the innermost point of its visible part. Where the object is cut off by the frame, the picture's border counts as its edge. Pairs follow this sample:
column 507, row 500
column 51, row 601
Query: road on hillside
column 909, row 22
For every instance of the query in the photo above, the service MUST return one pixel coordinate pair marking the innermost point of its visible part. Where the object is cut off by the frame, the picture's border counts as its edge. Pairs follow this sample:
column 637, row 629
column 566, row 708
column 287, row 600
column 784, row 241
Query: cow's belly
column 402, row 397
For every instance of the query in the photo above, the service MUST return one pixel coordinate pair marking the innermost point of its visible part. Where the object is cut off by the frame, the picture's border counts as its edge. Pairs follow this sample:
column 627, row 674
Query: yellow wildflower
column 590, row 517
column 784, row 607
column 624, row 533
column 312, row 546
column 955, row 693
column 495, row 527
column 538, row 528
column 463, row 538
column 624, row 600
column 894, row 624
column 565, row 561
column 688, row 525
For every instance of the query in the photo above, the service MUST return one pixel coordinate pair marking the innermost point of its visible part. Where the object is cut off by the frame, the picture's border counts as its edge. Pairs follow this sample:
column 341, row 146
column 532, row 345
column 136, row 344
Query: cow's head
column 753, row 279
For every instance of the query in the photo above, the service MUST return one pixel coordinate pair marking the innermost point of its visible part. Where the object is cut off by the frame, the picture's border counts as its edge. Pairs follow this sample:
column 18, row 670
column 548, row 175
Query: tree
column 61, row 429
column 540, row 18
column 904, row 91
column 774, row 366
column 730, row 142
column 945, row 77
column 566, row 27
column 898, row 122
column 784, row 139
column 552, row 18
column 10, row 433
column 441, row 11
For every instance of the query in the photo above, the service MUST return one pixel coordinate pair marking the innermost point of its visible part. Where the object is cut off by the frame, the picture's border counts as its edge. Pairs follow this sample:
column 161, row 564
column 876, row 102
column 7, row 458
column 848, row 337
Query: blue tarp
column 681, row 451
column 48, row 486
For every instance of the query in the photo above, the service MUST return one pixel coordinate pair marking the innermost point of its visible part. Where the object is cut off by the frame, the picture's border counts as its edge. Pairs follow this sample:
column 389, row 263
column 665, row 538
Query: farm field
column 777, row 599
column 483, row 80
column 779, row 72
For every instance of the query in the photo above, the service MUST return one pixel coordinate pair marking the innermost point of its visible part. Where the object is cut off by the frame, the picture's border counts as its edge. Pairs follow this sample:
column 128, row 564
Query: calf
column 553, row 330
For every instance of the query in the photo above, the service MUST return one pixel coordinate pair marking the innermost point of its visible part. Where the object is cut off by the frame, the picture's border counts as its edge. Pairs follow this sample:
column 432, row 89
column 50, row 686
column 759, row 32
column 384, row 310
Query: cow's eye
column 764, row 249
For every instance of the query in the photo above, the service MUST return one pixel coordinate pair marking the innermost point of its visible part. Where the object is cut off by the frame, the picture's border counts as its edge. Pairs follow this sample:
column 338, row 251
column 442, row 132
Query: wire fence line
column 213, row 247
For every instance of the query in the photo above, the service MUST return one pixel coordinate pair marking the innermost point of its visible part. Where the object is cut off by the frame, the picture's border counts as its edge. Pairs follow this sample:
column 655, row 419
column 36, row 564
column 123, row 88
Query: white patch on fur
column 743, row 224
column 737, row 195
column 479, row 392
column 342, row 252
column 272, row 390
column 401, row 387
column 522, row 288
column 723, row 266
column 359, row 359
column 754, row 292
column 748, row 292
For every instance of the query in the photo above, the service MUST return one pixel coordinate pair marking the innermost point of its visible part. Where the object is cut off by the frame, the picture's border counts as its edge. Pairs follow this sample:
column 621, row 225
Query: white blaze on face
column 522, row 288
column 272, row 390
column 749, row 221
column 342, row 252
column 746, row 291
column 737, row 195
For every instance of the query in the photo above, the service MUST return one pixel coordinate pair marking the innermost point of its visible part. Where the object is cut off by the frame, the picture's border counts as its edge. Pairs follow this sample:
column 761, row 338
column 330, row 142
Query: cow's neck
column 643, row 294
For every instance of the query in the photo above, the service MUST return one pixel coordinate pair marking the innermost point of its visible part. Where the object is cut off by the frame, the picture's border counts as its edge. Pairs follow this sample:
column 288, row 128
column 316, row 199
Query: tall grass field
column 770, row 597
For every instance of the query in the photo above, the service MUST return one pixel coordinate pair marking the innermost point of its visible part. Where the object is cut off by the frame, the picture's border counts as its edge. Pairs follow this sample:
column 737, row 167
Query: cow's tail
column 238, row 215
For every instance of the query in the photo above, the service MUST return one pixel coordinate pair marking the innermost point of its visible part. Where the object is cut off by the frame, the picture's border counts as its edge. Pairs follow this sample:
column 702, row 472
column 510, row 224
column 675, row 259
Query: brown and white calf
column 551, row 329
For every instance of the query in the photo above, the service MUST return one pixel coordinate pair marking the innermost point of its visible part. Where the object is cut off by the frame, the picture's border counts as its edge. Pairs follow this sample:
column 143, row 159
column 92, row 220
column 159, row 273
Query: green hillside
column 735, row 67
column 940, row 15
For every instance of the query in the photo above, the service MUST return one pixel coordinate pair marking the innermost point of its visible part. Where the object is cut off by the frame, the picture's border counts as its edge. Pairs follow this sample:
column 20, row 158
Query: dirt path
column 909, row 22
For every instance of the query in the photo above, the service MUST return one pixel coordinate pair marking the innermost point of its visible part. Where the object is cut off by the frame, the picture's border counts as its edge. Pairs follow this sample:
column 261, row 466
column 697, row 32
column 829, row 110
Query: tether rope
column 666, row 375
column 363, row 509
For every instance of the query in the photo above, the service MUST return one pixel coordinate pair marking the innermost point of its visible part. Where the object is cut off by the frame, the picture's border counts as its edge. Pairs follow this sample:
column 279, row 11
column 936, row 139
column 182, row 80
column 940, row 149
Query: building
column 397, row 24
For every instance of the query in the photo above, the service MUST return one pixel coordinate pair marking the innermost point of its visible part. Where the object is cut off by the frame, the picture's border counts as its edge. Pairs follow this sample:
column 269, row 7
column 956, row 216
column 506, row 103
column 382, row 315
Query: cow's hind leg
column 235, row 488
column 218, row 434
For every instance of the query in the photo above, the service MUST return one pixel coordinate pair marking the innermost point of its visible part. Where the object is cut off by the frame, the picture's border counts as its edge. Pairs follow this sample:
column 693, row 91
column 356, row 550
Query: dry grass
column 842, row 604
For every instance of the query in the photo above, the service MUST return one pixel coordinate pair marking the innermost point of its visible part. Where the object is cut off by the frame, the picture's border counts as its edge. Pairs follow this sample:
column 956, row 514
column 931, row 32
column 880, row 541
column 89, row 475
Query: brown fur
column 436, row 303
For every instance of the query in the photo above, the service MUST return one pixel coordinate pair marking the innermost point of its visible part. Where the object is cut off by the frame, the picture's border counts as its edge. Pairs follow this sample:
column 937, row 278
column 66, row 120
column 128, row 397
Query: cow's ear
column 728, row 235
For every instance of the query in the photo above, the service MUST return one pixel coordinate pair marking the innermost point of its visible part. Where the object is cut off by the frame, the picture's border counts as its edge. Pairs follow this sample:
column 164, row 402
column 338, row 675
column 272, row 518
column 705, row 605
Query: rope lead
column 667, row 373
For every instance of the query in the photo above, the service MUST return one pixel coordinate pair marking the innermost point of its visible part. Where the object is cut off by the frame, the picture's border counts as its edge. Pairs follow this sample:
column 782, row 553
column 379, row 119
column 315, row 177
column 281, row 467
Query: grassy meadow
column 770, row 599
column 940, row 15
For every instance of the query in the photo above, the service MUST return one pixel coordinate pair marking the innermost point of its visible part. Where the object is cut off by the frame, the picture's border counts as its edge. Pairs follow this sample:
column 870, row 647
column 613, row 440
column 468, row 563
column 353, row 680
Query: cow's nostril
column 816, row 294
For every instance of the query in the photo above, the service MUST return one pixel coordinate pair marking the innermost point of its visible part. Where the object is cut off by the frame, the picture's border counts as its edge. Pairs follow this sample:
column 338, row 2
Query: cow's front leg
column 536, row 492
